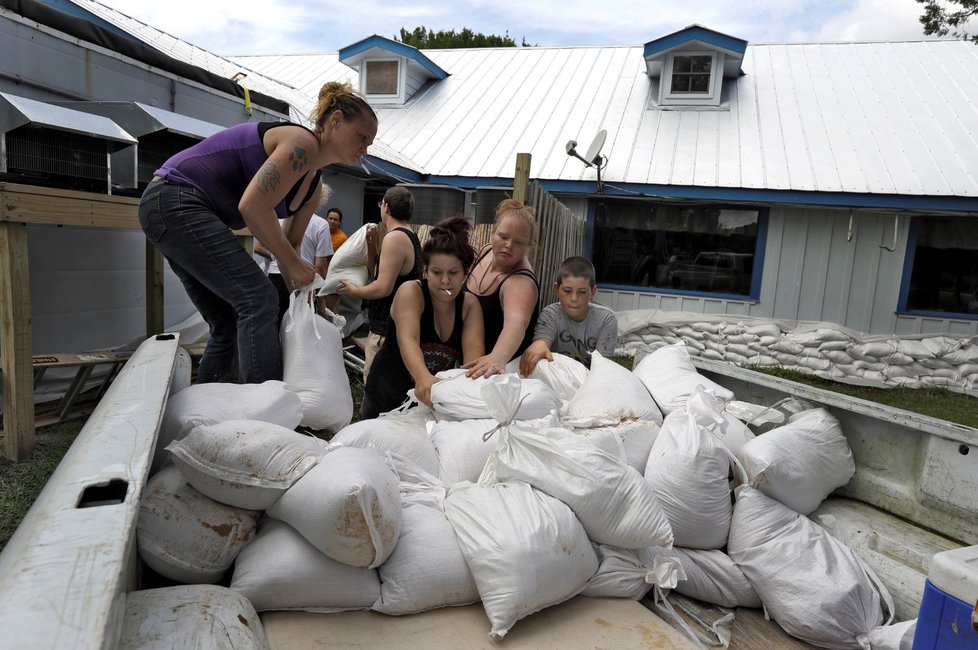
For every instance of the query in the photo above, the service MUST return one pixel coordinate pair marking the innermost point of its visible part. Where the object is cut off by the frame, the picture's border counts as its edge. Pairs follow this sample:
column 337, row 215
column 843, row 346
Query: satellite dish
column 595, row 149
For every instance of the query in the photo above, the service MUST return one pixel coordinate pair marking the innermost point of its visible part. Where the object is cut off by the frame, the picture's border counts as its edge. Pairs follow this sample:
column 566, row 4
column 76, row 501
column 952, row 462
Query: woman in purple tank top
column 254, row 175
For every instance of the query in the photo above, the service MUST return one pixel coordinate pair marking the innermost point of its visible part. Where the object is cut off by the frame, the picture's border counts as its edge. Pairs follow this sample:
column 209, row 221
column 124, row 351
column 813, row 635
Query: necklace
column 481, row 285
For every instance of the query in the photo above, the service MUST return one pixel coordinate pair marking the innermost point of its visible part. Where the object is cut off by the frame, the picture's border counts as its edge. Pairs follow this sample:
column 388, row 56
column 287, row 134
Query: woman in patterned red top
column 434, row 324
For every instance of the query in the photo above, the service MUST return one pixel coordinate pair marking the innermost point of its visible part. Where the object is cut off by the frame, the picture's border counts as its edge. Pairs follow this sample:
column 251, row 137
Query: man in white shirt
column 316, row 248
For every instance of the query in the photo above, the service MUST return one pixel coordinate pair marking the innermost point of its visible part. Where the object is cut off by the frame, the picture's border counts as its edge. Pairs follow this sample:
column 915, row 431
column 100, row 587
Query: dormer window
column 390, row 72
column 690, row 79
column 691, row 74
column 688, row 67
column 382, row 77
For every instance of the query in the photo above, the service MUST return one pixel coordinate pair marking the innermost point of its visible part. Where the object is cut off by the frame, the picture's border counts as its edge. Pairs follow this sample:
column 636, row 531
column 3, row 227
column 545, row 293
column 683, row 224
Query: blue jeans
column 225, row 284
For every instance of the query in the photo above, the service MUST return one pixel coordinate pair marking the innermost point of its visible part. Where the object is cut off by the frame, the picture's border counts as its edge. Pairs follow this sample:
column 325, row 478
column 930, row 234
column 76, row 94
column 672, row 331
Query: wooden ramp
column 80, row 395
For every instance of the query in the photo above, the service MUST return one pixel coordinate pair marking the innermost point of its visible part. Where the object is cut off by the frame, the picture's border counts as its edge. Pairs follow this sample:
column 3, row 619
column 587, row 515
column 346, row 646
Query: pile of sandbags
column 522, row 493
column 823, row 349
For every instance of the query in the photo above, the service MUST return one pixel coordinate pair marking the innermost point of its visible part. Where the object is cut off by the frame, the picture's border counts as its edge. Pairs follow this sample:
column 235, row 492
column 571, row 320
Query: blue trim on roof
column 733, row 194
column 695, row 33
column 394, row 47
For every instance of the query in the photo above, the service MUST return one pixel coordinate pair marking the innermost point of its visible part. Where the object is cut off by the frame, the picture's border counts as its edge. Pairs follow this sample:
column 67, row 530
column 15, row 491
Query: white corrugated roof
column 875, row 118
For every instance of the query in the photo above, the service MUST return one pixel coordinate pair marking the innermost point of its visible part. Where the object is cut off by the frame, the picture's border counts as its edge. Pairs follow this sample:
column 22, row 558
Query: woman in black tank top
column 434, row 325
column 507, row 289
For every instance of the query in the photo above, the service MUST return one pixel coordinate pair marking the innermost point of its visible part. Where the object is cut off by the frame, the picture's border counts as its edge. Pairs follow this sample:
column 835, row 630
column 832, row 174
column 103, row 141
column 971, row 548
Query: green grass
column 20, row 483
column 935, row 402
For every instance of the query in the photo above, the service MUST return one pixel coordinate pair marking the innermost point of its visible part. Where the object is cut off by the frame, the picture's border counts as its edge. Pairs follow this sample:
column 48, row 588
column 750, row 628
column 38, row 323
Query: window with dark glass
column 944, row 275
column 691, row 73
column 382, row 77
column 676, row 248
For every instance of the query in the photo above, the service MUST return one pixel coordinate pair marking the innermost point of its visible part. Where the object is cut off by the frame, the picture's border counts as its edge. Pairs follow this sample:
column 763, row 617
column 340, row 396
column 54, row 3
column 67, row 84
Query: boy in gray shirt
column 573, row 326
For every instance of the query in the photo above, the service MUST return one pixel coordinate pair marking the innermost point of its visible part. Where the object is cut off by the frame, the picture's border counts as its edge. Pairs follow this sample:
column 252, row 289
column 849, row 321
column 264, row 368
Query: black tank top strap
column 265, row 127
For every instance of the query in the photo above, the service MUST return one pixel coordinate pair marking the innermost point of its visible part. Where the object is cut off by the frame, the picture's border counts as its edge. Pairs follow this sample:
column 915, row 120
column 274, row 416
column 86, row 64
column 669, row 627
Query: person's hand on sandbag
column 296, row 272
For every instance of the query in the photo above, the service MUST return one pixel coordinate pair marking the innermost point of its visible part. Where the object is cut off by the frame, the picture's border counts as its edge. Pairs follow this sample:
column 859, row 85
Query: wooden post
column 154, row 290
column 521, row 179
column 16, row 343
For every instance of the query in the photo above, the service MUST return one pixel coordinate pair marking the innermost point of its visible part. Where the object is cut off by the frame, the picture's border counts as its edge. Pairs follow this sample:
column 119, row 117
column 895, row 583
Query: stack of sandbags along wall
column 823, row 349
column 637, row 476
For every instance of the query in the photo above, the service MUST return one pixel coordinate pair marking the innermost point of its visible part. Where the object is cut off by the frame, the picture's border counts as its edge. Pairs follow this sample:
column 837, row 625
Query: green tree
column 941, row 17
column 425, row 39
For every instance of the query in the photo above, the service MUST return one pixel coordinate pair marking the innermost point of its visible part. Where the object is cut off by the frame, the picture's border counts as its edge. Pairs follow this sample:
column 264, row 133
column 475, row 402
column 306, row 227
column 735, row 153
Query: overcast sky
column 230, row 27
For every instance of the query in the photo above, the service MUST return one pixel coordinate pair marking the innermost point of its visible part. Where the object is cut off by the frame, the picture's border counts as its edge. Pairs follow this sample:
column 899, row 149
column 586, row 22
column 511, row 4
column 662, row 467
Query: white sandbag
column 427, row 568
column 671, row 378
column 688, row 470
column 348, row 263
column 403, row 433
column 611, row 499
column 610, row 394
column 185, row 536
column 734, row 434
column 563, row 375
column 462, row 449
column 712, row 577
column 245, row 463
column 801, row 462
column 818, row 336
column 873, row 350
column 896, row 636
column 348, row 506
column 190, row 616
column 786, row 345
column 417, row 486
column 465, row 447
column 458, row 397
column 767, row 329
column 526, row 550
column 636, row 436
column 814, row 586
column 630, row 573
column 712, row 354
column 312, row 363
column 280, row 569
column 967, row 354
column 216, row 402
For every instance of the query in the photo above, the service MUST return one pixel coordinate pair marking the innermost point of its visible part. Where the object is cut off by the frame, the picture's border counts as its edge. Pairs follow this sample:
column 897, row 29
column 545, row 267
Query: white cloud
column 284, row 26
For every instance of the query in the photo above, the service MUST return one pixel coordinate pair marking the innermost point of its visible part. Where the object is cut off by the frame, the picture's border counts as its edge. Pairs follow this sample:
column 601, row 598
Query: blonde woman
column 507, row 288
column 254, row 175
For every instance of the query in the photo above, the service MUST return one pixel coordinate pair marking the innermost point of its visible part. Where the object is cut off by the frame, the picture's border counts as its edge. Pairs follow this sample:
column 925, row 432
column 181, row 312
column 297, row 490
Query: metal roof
column 139, row 119
column 18, row 111
column 895, row 118
column 300, row 91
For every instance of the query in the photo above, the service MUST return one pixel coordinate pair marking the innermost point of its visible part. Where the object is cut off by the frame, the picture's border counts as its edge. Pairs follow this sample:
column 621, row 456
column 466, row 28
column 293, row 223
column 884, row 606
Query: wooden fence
column 560, row 234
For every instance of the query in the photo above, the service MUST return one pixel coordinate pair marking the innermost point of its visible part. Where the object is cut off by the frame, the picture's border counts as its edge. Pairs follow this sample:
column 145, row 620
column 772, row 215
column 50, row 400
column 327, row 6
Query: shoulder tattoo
column 298, row 158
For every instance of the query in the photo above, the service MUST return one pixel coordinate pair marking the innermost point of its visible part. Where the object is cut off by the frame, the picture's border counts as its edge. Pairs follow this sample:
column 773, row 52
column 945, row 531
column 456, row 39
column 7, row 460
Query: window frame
column 383, row 97
column 910, row 254
column 710, row 98
column 757, row 272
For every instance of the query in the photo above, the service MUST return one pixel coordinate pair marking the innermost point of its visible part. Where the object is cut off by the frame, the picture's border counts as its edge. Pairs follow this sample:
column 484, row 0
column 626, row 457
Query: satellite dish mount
column 593, row 157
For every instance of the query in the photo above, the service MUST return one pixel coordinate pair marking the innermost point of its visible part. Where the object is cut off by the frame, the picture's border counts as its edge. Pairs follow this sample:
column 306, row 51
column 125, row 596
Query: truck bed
column 65, row 573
